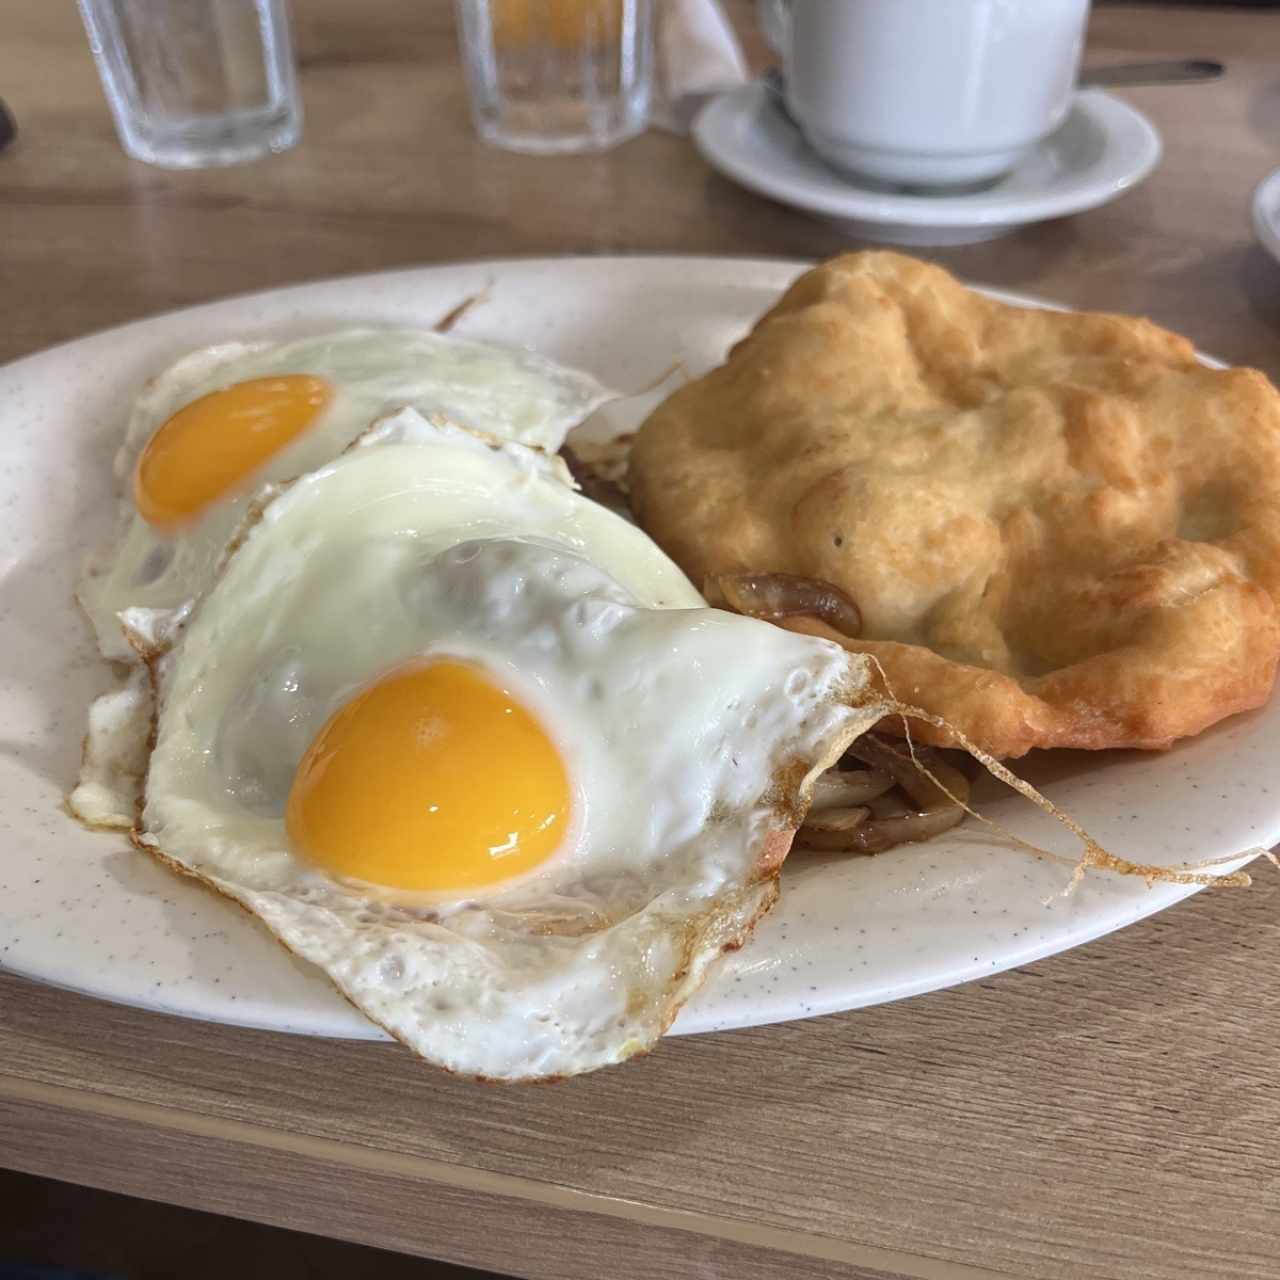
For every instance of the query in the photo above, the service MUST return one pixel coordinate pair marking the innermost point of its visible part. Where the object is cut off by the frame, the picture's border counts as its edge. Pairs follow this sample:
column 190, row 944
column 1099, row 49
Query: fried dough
column 1061, row 529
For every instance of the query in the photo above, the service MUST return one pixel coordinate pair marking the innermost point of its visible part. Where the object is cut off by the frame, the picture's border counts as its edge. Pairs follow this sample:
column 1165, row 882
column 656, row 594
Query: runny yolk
column 216, row 445
column 433, row 779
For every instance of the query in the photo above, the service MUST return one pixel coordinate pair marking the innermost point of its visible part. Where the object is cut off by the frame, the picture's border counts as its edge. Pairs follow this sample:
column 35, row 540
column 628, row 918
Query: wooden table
column 1108, row 1113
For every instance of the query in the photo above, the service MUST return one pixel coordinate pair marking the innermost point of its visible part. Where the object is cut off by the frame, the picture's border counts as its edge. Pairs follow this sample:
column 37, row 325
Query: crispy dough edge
column 1031, row 722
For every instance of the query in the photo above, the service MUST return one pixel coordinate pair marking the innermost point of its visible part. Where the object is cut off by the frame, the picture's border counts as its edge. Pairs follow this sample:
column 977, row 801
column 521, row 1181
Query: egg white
column 690, row 735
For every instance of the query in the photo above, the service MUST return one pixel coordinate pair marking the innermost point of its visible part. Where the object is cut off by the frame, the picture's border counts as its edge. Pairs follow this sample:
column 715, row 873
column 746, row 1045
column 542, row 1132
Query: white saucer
column 1266, row 213
column 1103, row 148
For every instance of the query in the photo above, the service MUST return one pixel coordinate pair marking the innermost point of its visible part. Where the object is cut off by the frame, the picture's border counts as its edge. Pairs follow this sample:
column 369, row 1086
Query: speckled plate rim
column 83, row 911
column 1132, row 149
column 1266, row 213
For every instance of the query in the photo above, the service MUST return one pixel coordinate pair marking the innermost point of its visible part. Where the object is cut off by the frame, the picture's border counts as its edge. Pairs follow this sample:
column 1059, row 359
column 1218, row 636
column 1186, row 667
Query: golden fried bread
column 1061, row 529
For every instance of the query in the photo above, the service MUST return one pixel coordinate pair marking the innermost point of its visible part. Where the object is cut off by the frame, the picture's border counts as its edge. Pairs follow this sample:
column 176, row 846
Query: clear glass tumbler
column 558, row 75
column 193, row 83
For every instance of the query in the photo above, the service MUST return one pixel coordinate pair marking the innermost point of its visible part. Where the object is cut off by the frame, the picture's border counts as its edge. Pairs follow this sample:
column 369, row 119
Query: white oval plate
column 1266, row 213
column 1102, row 149
column 83, row 910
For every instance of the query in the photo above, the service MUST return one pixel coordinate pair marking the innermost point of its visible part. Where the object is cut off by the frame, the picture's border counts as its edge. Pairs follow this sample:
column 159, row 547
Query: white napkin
column 698, row 56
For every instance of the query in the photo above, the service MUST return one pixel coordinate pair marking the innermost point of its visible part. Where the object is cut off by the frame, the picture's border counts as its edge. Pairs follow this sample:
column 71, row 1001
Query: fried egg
column 475, row 747
column 213, row 427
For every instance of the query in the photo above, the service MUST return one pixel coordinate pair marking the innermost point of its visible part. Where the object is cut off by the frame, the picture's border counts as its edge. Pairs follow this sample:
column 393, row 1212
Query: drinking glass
column 557, row 75
column 196, row 82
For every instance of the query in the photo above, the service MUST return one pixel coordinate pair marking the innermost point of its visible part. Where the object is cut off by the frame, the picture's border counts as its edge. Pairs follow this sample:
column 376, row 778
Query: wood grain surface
column 1108, row 1113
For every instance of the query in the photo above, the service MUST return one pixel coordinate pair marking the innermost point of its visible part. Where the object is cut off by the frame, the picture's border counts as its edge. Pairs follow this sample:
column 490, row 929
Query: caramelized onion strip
column 845, row 788
column 833, row 825
column 832, row 830
column 926, row 794
column 772, row 596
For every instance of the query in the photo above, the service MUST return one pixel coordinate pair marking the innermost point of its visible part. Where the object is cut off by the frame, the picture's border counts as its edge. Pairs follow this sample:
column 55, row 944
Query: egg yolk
column 215, row 445
column 434, row 778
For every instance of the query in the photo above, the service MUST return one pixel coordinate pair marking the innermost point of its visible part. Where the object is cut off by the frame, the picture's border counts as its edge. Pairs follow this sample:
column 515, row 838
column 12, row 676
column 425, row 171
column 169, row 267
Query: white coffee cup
column 932, row 93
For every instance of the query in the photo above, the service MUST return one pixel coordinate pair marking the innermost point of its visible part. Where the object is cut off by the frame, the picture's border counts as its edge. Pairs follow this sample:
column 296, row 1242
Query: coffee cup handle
column 774, row 17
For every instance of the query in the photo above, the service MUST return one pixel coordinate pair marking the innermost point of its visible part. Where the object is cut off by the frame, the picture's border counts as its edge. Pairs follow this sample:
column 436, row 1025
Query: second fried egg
column 472, row 744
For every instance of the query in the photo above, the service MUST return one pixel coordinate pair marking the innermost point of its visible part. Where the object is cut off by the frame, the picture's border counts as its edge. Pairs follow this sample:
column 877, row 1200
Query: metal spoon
column 1173, row 71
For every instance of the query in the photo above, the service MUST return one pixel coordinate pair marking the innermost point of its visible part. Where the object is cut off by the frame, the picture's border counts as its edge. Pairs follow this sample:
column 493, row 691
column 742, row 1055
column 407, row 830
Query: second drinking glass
column 557, row 75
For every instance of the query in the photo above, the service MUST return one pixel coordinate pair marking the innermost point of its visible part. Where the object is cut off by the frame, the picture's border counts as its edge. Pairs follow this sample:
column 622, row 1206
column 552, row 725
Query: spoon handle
column 1173, row 71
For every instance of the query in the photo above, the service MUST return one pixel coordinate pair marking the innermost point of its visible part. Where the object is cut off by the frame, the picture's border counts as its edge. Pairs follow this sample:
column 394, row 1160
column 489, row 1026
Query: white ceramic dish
column 1103, row 148
column 1266, row 213
column 83, row 910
